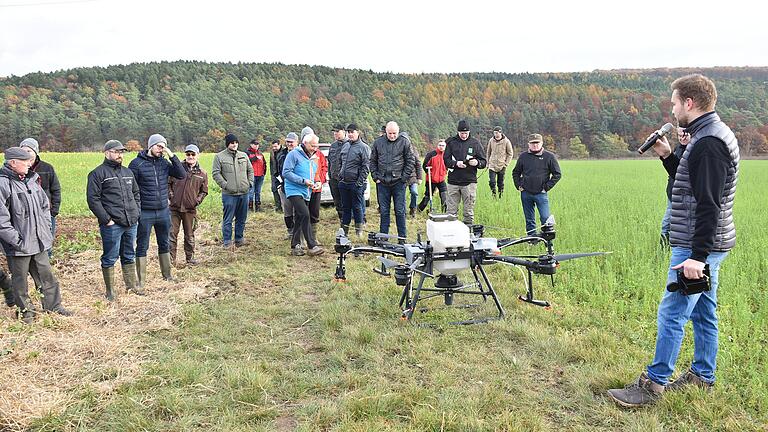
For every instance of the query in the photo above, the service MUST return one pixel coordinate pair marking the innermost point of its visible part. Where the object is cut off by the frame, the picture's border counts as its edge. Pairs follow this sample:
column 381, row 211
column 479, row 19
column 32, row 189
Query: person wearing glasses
column 152, row 170
column 185, row 196
column 113, row 197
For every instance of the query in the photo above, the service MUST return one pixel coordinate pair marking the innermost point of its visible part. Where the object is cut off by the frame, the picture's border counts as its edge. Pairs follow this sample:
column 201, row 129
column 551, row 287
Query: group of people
column 158, row 190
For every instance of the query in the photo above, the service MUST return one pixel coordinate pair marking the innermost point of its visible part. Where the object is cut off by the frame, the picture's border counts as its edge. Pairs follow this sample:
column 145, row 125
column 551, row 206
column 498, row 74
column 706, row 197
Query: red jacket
column 258, row 162
column 435, row 160
column 322, row 170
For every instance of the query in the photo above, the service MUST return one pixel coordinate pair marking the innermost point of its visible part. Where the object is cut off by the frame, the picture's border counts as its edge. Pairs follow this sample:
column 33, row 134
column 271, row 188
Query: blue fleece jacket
column 296, row 169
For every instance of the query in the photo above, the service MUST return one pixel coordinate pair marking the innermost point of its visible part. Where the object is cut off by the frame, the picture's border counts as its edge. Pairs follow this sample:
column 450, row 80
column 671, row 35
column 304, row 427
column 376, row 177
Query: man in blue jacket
column 298, row 174
column 151, row 171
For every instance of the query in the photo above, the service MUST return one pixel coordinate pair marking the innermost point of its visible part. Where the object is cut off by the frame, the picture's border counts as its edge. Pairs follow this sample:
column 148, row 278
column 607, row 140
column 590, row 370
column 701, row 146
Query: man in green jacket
column 233, row 172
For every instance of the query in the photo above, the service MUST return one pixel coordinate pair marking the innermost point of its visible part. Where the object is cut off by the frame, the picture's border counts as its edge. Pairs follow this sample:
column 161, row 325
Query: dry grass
column 42, row 363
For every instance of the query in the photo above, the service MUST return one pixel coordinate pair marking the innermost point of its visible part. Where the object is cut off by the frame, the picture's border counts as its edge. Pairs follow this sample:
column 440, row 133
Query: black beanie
column 463, row 126
column 230, row 138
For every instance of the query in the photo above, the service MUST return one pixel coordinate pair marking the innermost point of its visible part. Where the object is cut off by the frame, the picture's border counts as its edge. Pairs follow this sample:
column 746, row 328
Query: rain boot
column 313, row 232
column 109, row 282
column 141, row 274
column 129, row 278
column 346, row 230
column 359, row 230
column 165, row 266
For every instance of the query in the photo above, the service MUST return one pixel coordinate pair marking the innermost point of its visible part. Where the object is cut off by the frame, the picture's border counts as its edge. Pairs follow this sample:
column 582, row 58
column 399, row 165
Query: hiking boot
column 192, row 262
column 315, row 251
column 640, row 393
column 28, row 316
column 413, row 212
column 297, row 251
column 165, row 266
column 61, row 311
column 689, row 378
column 240, row 243
column 108, row 273
column 129, row 278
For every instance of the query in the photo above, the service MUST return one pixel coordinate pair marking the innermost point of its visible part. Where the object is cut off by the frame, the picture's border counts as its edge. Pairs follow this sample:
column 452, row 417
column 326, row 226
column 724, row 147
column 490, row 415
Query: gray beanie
column 155, row 139
column 31, row 143
column 17, row 153
column 304, row 132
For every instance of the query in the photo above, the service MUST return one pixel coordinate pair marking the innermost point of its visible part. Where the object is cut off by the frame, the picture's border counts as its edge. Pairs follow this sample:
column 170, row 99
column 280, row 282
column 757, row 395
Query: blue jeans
column 665, row 219
column 414, row 191
column 352, row 202
column 235, row 207
column 117, row 241
column 161, row 221
column 255, row 192
column 675, row 310
column 385, row 194
column 539, row 200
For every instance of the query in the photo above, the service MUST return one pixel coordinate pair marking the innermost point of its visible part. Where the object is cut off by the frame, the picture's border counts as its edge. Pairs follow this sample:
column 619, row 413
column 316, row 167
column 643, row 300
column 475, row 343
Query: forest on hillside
column 598, row 114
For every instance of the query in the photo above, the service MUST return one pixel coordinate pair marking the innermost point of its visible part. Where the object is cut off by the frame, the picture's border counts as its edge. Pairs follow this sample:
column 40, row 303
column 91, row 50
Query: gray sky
column 397, row 36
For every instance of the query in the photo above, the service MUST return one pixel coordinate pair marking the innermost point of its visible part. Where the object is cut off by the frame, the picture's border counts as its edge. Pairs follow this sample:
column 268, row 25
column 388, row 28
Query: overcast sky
column 396, row 35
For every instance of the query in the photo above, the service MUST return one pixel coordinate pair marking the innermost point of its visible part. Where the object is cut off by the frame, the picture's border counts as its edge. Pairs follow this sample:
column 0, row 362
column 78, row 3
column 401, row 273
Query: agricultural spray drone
column 452, row 247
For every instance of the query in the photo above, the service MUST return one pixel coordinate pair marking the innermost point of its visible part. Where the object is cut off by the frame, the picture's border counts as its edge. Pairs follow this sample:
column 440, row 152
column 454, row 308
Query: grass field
column 285, row 348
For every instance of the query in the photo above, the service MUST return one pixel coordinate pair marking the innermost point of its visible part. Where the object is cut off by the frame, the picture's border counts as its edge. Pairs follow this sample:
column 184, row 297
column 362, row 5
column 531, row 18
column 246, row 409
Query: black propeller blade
column 566, row 257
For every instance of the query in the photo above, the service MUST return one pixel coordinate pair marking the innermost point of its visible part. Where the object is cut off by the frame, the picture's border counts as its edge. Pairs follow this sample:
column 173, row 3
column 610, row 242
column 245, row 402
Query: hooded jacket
column 25, row 214
column 151, row 174
column 499, row 153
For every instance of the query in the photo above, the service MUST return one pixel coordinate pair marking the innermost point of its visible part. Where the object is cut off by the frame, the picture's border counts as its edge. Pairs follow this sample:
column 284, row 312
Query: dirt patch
column 44, row 364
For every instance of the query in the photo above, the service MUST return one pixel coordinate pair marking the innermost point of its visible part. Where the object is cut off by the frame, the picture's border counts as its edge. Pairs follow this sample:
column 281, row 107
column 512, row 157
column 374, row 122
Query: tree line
column 600, row 114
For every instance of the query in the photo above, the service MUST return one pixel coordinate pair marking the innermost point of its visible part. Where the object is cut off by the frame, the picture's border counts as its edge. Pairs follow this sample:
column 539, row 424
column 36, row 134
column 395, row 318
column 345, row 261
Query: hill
column 188, row 101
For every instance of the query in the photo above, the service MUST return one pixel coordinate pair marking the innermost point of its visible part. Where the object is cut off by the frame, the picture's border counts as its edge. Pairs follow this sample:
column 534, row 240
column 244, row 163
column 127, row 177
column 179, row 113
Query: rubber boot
column 129, row 278
column 141, row 273
column 165, row 266
column 346, row 230
column 109, row 282
column 359, row 230
column 501, row 192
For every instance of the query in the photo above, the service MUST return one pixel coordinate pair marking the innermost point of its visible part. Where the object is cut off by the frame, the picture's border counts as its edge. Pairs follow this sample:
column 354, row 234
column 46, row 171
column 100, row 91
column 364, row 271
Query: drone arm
column 370, row 249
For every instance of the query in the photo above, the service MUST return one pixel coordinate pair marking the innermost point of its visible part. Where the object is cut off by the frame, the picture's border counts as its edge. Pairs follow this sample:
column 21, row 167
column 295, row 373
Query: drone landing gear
column 382, row 269
column 528, row 298
column 447, row 286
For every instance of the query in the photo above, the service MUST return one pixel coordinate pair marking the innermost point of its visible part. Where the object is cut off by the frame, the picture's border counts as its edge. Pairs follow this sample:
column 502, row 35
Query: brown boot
column 689, row 379
column 640, row 393
column 315, row 251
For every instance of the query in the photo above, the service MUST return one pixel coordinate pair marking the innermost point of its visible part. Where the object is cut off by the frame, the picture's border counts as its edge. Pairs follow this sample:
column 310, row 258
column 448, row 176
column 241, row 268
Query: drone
column 451, row 248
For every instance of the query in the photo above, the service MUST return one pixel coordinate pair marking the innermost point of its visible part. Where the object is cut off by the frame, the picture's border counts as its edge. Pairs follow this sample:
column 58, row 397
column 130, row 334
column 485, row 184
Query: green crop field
column 286, row 348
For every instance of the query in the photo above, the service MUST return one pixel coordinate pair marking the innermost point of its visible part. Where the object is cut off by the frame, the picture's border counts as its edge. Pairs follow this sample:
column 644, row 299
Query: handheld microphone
column 656, row 135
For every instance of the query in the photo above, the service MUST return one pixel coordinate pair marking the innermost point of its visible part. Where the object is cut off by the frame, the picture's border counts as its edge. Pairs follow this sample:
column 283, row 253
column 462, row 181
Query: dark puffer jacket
column 113, row 194
column 49, row 181
column 151, row 174
column 25, row 215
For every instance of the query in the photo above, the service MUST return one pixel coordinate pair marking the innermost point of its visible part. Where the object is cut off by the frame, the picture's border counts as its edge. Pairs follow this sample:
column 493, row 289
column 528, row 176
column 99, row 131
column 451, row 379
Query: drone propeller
column 566, row 257
column 388, row 263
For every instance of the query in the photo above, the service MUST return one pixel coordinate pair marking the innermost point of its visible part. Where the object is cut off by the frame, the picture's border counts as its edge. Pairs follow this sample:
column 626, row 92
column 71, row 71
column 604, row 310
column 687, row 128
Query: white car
column 325, row 195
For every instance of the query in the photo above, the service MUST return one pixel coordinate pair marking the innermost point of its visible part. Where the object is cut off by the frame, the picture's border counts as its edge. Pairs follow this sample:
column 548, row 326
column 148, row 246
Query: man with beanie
column 185, row 196
column 291, row 141
column 259, row 165
column 275, row 150
column 434, row 167
column 113, row 197
column 233, row 172
column 25, row 233
column 535, row 173
column 463, row 157
column 334, row 164
column 298, row 172
column 151, row 171
column 499, row 154
column 391, row 169
column 353, row 173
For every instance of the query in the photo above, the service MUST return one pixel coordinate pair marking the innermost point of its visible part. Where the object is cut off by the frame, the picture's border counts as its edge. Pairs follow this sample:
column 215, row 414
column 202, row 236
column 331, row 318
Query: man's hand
column 308, row 182
column 167, row 151
column 682, row 136
column 460, row 164
column 692, row 269
column 473, row 162
column 520, row 189
column 662, row 148
column 110, row 223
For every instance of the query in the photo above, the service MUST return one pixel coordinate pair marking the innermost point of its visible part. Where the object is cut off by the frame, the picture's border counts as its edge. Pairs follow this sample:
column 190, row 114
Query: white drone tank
column 446, row 233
